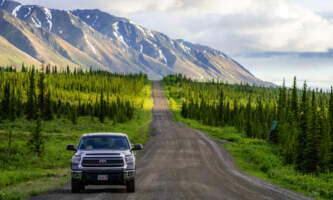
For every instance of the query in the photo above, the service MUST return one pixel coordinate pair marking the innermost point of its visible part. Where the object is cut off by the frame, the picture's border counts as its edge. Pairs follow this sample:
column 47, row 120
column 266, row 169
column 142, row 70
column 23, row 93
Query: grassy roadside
column 257, row 158
column 24, row 174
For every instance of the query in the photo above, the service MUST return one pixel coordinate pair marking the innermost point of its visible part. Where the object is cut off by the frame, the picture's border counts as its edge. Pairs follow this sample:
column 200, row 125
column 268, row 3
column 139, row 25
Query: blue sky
column 237, row 27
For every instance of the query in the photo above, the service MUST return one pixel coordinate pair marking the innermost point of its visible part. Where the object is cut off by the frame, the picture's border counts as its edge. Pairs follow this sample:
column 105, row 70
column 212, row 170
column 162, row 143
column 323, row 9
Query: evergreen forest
column 52, row 94
column 299, row 122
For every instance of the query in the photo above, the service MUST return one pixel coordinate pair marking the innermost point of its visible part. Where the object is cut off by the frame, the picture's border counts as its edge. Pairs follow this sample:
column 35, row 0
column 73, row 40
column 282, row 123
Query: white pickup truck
column 103, row 159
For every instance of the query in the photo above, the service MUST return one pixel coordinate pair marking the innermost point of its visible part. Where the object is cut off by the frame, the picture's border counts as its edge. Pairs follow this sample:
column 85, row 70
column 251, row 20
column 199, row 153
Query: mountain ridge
column 85, row 38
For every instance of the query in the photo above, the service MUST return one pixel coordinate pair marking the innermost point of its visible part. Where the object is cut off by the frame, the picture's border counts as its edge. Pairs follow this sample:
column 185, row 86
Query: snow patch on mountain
column 15, row 10
column 140, row 28
column 115, row 26
column 90, row 45
column 117, row 35
column 121, row 39
column 185, row 48
column 162, row 57
column 150, row 33
column 159, row 52
column 37, row 23
column 145, row 32
column 48, row 17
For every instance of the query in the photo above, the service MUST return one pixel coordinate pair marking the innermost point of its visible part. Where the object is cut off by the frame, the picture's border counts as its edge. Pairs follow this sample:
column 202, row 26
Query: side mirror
column 71, row 147
column 137, row 147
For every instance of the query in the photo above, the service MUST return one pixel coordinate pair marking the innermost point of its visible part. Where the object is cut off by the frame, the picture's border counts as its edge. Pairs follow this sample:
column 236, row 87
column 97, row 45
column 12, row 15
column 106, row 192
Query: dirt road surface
column 181, row 163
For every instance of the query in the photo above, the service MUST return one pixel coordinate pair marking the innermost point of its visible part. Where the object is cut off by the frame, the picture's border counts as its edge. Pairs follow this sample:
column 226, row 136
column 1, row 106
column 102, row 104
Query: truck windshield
column 104, row 143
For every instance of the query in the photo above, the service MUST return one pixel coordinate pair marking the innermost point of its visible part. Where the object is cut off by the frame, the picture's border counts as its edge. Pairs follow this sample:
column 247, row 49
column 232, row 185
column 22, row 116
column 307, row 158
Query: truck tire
column 130, row 186
column 77, row 187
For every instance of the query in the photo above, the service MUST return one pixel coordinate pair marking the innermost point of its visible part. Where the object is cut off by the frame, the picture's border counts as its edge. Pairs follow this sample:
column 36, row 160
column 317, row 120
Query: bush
column 263, row 158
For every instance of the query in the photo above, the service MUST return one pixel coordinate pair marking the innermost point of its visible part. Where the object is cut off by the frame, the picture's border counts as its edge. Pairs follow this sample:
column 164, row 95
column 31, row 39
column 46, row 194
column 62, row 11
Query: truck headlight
column 75, row 162
column 76, row 159
column 129, row 159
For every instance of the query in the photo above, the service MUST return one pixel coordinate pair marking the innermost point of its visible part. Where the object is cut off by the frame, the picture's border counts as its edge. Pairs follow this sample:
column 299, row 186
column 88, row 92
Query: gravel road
column 181, row 163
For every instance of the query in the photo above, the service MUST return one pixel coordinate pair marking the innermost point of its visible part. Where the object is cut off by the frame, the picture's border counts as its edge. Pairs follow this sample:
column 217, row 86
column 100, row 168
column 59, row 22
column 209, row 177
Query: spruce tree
column 305, row 126
column 41, row 95
column 312, row 141
column 184, row 110
column 48, row 69
column 325, row 141
column 260, row 119
column 48, row 110
column 31, row 108
column 294, row 99
column 282, row 103
column 289, row 143
column 330, row 118
column 23, row 69
column 330, row 112
column 227, row 113
column 282, row 114
column 249, row 128
column 5, row 103
column 36, row 141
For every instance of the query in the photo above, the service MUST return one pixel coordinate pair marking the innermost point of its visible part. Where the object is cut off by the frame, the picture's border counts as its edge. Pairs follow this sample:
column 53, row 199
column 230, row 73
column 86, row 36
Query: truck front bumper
column 114, row 177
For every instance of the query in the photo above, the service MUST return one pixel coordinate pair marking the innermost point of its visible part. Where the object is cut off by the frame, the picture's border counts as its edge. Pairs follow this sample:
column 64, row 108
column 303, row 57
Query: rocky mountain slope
column 92, row 38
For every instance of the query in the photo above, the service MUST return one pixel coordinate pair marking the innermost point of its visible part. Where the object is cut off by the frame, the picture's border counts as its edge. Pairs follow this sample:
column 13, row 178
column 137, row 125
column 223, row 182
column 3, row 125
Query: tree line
column 304, row 131
column 68, row 94
column 49, row 93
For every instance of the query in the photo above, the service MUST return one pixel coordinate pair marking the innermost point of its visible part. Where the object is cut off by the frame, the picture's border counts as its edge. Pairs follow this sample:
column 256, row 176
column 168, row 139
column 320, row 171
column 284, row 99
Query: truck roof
column 103, row 134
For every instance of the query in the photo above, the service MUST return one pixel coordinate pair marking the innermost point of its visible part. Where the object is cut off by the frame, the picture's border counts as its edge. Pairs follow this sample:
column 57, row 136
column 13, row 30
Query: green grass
column 256, row 158
column 23, row 174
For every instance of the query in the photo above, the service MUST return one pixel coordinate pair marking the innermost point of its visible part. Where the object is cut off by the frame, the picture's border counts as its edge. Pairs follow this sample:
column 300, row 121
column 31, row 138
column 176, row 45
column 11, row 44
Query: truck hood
column 93, row 153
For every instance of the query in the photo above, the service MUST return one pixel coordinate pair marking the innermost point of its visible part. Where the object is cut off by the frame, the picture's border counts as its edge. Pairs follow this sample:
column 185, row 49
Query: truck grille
column 102, row 162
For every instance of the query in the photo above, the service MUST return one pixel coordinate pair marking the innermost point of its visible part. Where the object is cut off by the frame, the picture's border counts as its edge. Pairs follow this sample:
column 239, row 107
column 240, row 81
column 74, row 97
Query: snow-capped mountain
column 94, row 38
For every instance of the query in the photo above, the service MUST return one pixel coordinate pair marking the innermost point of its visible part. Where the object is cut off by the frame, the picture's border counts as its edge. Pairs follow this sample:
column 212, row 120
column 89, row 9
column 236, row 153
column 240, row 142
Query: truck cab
column 103, row 159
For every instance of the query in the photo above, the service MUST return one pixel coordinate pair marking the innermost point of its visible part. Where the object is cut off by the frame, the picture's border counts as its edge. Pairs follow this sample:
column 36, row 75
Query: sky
column 237, row 27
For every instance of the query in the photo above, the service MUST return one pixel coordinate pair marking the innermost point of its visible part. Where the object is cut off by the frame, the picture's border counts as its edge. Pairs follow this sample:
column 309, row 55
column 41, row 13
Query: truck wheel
column 77, row 187
column 130, row 186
